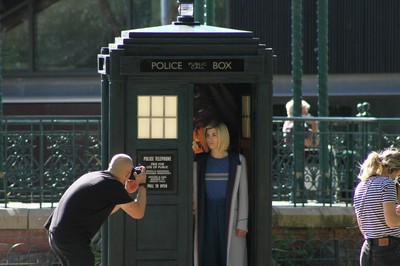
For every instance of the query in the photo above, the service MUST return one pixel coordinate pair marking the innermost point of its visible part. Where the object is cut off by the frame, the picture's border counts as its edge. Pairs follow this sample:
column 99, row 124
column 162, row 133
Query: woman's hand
column 196, row 147
column 240, row 233
column 398, row 209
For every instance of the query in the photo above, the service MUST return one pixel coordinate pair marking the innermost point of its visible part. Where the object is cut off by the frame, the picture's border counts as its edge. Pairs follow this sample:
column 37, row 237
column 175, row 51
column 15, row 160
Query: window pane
column 157, row 106
column 143, row 128
column 170, row 106
column 157, row 128
column 157, row 117
column 143, row 106
column 171, row 128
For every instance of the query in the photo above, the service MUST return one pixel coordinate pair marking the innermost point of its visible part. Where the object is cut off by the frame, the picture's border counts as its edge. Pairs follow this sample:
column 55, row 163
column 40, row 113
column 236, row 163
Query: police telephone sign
column 192, row 65
column 160, row 169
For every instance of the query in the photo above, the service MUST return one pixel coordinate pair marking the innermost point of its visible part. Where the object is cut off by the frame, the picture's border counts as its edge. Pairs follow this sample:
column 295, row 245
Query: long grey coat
column 238, row 208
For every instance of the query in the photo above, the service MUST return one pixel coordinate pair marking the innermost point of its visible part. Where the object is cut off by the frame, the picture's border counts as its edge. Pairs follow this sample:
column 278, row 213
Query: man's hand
column 133, row 185
column 142, row 177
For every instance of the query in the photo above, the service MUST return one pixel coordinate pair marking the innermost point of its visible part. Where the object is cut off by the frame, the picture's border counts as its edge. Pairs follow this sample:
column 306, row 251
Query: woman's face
column 396, row 172
column 304, row 110
column 212, row 138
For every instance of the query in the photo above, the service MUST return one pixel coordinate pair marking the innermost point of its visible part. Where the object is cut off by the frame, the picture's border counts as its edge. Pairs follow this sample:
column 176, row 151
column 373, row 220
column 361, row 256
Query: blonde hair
column 289, row 106
column 223, row 134
column 376, row 162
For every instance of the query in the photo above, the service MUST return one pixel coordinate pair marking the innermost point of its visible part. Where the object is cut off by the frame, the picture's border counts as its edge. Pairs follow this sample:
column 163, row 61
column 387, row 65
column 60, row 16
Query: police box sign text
column 160, row 170
column 191, row 65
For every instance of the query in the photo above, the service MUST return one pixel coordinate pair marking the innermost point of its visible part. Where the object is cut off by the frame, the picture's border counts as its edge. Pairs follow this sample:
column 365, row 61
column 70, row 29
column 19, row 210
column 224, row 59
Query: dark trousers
column 215, row 234
column 71, row 254
column 374, row 254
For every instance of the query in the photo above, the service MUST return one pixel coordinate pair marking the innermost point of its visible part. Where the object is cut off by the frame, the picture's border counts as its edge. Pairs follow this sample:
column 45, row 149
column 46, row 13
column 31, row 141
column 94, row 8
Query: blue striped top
column 370, row 210
column 217, row 177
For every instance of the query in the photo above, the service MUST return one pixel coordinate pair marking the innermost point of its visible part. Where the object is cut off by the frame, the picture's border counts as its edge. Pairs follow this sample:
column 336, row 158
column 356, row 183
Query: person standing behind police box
column 220, row 202
column 310, row 126
column 86, row 205
column 377, row 209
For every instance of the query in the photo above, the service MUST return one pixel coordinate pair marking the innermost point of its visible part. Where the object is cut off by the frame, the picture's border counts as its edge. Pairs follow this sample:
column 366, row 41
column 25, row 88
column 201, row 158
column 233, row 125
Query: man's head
column 121, row 166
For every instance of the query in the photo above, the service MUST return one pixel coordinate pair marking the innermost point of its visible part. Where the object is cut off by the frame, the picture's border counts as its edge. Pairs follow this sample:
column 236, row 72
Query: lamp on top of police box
column 185, row 13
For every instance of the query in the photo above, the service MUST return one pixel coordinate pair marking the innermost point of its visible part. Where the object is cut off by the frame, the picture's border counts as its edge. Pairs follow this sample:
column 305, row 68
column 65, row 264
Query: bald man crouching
column 86, row 205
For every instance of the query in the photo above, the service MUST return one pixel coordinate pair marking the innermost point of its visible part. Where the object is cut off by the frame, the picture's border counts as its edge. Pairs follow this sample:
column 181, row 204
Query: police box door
column 159, row 129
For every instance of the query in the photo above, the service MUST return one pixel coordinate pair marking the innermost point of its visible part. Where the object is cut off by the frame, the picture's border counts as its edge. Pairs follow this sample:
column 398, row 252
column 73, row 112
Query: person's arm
column 137, row 207
column 134, row 208
column 313, row 139
column 312, row 123
column 314, row 126
column 398, row 192
column 392, row 219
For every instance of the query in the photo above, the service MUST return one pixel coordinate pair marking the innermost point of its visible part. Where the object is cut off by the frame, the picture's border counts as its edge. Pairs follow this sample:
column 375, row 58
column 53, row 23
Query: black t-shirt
column 85, row 206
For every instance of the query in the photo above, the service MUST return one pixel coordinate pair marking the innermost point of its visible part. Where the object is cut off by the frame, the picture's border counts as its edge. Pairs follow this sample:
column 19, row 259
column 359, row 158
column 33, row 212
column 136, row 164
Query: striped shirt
column 369, row 197
column 217, row 177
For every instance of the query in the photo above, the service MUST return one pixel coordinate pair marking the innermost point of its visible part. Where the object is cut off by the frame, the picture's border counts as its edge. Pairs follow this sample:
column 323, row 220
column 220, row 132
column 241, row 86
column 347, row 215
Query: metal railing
column 348, row 141
column 44, row 155
column 38, row 254
column 289, row 251
column 313, row 252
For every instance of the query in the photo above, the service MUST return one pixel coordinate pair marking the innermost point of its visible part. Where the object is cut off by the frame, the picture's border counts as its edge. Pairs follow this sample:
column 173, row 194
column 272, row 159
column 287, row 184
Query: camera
column 136, row 170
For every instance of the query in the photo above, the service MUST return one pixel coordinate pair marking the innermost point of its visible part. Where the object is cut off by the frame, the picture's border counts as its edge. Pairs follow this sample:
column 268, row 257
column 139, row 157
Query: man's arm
column 134, row 208
column 137, row 207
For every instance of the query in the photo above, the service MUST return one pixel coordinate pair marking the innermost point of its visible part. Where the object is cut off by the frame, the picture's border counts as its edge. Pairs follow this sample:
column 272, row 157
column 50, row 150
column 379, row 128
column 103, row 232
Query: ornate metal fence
column 25, row 254
column 287, row 252
column 349, row 142
column 44, row 155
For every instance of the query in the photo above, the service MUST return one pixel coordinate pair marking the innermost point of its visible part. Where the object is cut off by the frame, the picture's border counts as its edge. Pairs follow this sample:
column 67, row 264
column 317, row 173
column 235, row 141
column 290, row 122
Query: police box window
column 157, row 117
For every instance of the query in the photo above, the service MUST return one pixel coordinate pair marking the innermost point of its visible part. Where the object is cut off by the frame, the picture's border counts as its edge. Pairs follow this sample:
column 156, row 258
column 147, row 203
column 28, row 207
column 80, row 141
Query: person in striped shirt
column 377, row 209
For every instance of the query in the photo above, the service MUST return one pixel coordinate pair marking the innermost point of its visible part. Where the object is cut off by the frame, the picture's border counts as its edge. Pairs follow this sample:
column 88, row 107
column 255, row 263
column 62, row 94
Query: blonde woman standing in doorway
column 220, row 202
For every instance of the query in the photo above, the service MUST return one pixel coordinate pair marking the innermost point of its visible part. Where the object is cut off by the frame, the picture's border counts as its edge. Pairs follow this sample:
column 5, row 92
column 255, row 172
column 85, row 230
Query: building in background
column 49, row 50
